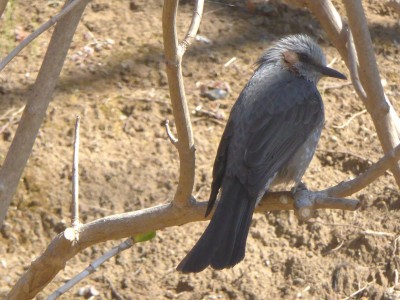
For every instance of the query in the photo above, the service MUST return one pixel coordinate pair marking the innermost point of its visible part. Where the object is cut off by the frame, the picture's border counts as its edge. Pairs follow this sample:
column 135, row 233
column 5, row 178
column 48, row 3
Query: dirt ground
column 114, row 78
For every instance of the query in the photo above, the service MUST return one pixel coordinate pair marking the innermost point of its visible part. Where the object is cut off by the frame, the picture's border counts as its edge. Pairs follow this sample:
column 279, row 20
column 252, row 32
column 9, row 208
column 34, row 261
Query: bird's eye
column 303, row 57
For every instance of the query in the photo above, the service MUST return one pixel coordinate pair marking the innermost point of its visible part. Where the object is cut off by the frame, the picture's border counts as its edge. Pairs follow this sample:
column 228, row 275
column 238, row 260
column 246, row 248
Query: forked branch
column 385, row 119
column 173, row 57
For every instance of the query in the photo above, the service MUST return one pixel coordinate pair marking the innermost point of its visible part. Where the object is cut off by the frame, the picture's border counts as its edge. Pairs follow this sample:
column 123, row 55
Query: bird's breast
column 290, row 174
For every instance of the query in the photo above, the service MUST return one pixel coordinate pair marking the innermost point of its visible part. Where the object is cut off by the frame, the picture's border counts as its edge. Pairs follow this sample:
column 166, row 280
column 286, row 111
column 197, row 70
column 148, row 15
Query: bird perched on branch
column 268, row 142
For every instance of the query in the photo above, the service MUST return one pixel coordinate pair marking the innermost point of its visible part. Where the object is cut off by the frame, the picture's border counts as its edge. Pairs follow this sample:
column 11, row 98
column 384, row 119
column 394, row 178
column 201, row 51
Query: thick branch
column 35, row 110
column 385, row 119
column 61, row 249
column 173, row 57
column 64, row 246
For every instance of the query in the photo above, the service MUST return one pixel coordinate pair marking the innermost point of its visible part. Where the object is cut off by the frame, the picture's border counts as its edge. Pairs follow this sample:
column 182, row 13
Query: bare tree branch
column 366, row 57
column 353, row 68
column 91, row 268
column 61, row 249
column 171, row 136
column 114, row 227
column 75, row 177
column 173, row 57
column 378, row 169
column 35, row 110
column 66, row 9
column 385, row 119
column 194, row 26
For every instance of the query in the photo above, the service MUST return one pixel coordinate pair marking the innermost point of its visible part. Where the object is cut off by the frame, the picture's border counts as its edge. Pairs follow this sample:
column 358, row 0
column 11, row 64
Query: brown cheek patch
column 290, row 58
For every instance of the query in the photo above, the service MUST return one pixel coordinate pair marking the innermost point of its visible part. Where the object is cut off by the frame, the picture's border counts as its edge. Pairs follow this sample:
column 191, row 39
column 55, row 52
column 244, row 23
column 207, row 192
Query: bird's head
column 300, row 55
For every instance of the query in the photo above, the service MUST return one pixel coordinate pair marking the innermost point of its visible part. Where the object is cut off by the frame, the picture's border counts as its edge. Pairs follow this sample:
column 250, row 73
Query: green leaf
column 143, row 237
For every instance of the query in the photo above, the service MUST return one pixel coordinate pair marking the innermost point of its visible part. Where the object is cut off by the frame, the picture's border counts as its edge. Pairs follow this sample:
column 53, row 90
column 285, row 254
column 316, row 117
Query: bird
column 268, row 142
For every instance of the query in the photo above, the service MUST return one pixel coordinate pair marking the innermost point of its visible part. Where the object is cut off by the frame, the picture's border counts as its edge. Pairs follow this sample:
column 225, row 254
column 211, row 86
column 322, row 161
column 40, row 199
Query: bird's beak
column 330, row 72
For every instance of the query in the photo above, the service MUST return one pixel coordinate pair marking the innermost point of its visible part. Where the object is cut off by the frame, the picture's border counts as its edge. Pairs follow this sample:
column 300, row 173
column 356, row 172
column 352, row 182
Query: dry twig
column 70, row 5
column 359, row 291
column 345, row 124
column 353, row 68
column 75, row 177
column 378, row 169
column 170, row 135
column 91, row 268
column 173, row 56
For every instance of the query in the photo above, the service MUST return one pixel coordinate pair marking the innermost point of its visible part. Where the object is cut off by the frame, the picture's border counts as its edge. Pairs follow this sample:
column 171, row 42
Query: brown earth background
column 114, row 78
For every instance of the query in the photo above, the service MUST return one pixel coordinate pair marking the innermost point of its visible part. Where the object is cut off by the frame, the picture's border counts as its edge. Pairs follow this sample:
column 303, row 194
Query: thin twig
column 335, row 152
column 146, row 100
column 377, row 233
column 66, row 9
column 353, row 67
column 14, row 118
column 350, row 187
column 193, row 28
column 335, row 249
column 200, row 111
column 75, row 177
column 345, row 124
column 172, row 138
column 208, row 119
column 91, row 268
column 11, row 113
column 336, row 86
column 229, row 62
column 359, row 291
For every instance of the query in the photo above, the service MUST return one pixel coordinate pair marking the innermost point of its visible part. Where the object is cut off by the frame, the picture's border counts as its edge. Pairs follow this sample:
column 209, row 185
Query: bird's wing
column 220, row 165
column 273, row 128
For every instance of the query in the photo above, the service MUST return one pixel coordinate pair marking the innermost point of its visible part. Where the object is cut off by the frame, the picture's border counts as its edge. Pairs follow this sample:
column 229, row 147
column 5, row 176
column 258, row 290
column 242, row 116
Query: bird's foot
column 304, row 202
column 301, row 186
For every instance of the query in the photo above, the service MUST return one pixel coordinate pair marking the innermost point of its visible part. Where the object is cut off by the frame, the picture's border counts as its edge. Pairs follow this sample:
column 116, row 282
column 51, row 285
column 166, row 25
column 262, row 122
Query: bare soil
column 114, row 78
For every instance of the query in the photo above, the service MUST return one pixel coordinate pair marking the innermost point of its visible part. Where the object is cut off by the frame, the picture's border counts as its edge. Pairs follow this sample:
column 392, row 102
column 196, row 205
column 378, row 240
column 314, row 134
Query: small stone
column 88, row 291
column 133, row 6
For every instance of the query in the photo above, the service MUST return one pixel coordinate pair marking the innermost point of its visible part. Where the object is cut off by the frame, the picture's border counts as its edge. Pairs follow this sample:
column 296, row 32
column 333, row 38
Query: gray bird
column 268, row 142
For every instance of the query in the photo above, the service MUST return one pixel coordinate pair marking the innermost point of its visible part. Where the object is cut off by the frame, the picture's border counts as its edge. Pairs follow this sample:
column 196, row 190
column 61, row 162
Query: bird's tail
column 223, row 243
